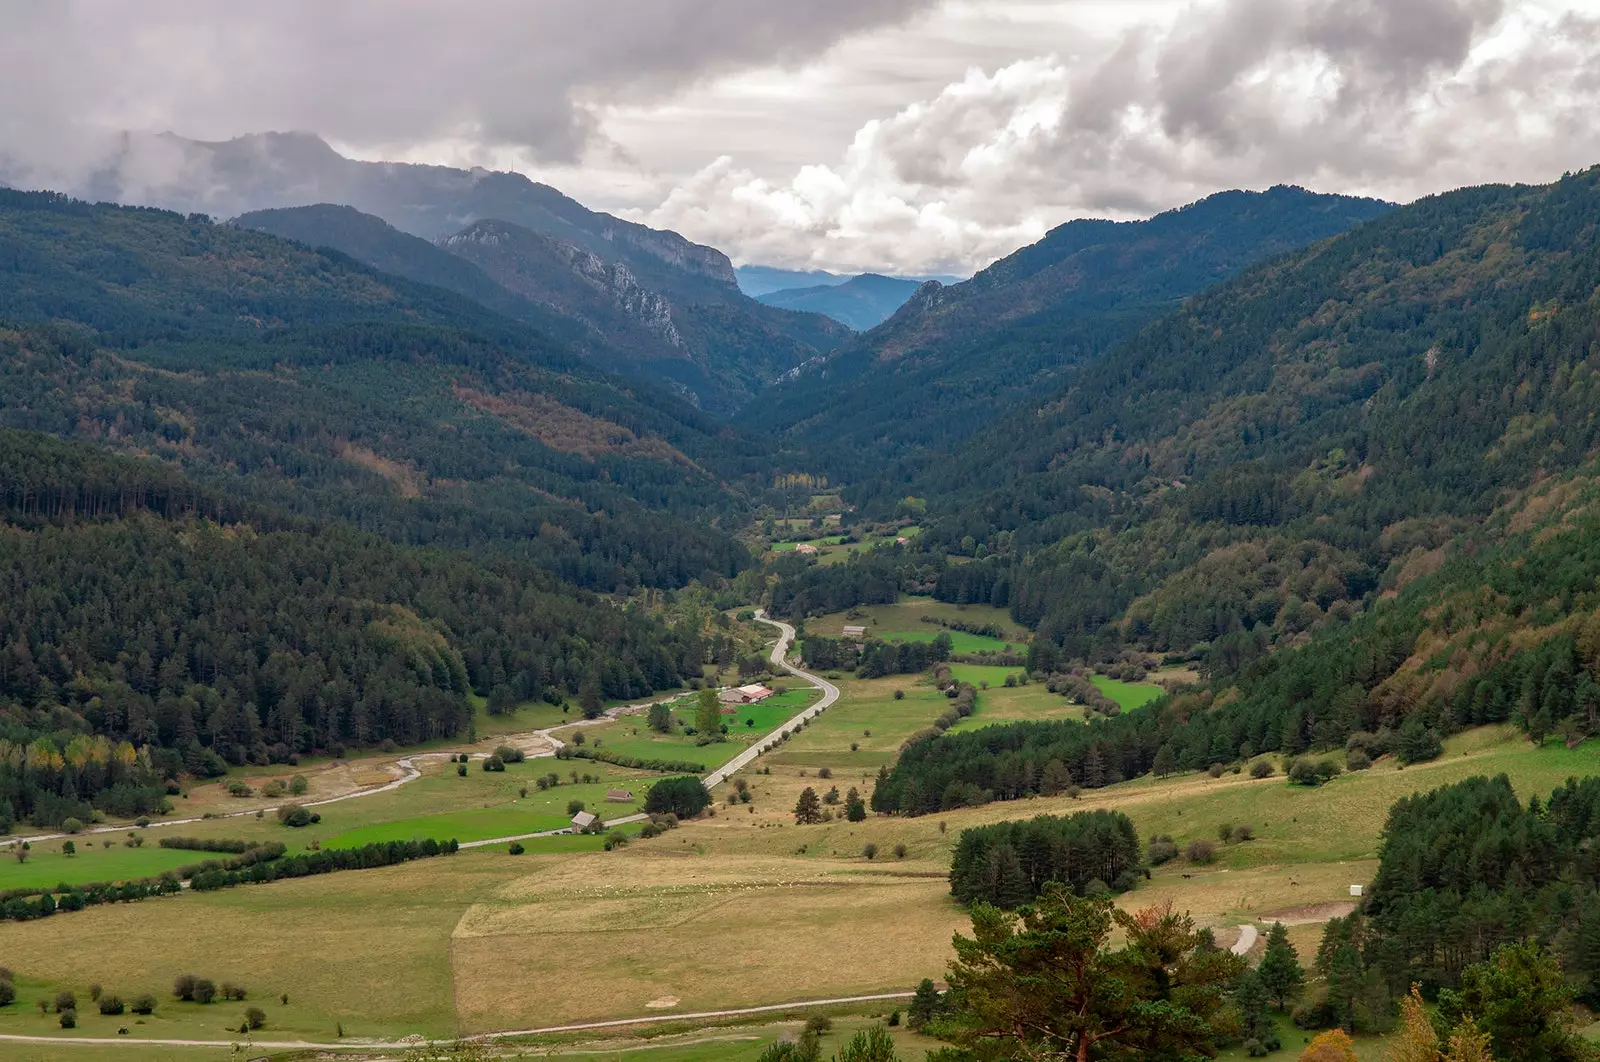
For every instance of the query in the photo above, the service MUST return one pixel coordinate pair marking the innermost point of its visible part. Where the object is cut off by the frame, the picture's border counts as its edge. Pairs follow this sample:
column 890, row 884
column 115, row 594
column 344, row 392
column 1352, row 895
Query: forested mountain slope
column 153, row 626
column 699, row 338
column 563, row 305
column 1357, row 485
column 1263, row 457
column 736, row 343
column 305, row 380
column 954, row 358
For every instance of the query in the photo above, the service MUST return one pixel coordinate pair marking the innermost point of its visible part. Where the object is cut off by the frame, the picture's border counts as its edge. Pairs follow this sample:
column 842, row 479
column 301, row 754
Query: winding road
column 410, row 772
column 779, row 657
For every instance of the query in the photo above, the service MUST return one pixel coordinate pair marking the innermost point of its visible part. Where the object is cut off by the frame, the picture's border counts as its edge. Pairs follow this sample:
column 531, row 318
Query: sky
column 909, row 136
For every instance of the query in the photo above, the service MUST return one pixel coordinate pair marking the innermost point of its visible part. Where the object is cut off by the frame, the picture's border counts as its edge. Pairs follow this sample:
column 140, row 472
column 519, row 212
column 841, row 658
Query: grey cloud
column 1396, row 98
column 494, row 73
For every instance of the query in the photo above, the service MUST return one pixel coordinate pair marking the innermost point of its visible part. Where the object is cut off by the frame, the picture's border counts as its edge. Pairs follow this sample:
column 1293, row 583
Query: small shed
column 582, row 821
column 806, row 548
column 619, row 796
column 1355, row 890
column 855, row 632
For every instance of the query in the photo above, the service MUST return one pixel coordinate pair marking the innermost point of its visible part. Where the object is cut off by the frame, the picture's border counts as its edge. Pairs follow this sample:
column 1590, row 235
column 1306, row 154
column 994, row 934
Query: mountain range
column 1260, row 432
column 953, row 358
column 711, row 343
column 860, row 302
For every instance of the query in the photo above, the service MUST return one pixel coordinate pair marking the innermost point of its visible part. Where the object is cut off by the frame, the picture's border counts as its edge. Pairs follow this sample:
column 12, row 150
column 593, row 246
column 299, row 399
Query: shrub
column 515, row 848
column 614, row 840
column 183, row 987
column 68, row 1019
column 1261, row 769
column 508, row 754
column 71, row 825
column 575, row 806
column 1200, row 852
column 1161, row 850
column 111, row 1005
column 1357, row 760
column 298, row 785
column 1215, row 770
column 239, row 788
column 1243, row 832
column 825, row 772
column 899, row 695
column 66, row 1000
column 869, row 850
column 232, row 991
column 494, row 763
column 297, row 816
column 1225, row 832
column 143, row 1004
column 204, row 990
column 899, row 851
column 255, row 1017
column 8, row 992
column 461, row 770
column 894, row 1017
column 274, row 788
column 1096, row 887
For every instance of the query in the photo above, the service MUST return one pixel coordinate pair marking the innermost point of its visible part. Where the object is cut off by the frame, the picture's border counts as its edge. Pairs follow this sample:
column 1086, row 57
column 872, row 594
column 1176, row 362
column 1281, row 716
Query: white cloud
column 1361, row 96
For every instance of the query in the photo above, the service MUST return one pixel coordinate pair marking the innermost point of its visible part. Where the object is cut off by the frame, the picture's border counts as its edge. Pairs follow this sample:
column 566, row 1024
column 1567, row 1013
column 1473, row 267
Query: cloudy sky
column 903, row 135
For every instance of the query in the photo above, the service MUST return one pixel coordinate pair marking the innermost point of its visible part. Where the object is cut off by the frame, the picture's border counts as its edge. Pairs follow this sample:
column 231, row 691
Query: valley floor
column 737, row 909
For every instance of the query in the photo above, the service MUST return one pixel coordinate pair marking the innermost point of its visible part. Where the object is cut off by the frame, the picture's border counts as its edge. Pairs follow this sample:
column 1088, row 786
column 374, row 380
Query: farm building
column 855, row 632
column 619, row 796
column 744, row 694
column 582, row 821
column 805, row 547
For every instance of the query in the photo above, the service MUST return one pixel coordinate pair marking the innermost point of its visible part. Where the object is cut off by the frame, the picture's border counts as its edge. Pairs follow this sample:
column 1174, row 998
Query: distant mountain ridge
column 758, row 280
column 953, row 358
column 861, row 302
column 264, row 170
column 668, row 309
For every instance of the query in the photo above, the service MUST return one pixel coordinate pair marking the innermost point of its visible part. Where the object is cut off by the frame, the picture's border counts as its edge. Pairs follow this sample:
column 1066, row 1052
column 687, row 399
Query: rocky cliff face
column 532, row 263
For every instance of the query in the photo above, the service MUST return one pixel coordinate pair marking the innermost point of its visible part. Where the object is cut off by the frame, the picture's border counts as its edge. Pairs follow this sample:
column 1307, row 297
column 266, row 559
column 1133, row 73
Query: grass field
column 631, row 736
column 905, row 617
column 1129, row 695
column 740, row 908
column 48, row 867
column 866, row 728
column 440, row 805
column 1030, row 703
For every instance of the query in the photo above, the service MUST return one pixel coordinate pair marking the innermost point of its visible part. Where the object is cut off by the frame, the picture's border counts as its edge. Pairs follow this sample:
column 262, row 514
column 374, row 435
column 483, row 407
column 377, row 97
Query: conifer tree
column 808, row 809
column 1280, row 969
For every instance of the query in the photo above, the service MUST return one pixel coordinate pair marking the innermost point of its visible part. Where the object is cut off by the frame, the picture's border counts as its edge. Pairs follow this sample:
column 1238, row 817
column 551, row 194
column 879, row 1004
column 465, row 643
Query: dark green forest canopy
column 954, row 359
column 1268, row 457
column 133, row 616
column 1468, row 867
column 1504, row 627
column 301, row 379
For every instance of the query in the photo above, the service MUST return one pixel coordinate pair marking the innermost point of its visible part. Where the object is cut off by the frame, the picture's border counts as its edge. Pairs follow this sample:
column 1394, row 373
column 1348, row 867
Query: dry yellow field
column 739, row 908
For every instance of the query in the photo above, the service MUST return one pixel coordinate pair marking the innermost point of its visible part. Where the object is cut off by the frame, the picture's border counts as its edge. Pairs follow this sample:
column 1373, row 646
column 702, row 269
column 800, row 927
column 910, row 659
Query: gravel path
column 1246, row 941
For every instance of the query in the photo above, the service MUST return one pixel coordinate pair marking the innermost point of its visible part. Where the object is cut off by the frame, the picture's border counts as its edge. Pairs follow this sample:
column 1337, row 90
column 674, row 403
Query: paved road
column 780, row 655
column 1246, row 941
column 362, row 1044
